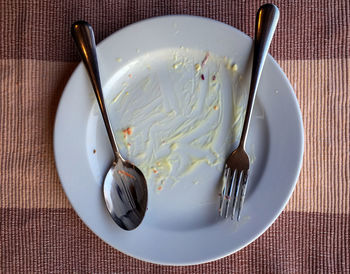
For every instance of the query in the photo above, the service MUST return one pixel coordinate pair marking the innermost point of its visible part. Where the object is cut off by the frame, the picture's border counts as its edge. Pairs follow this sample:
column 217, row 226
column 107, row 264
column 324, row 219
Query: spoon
column 124, row 187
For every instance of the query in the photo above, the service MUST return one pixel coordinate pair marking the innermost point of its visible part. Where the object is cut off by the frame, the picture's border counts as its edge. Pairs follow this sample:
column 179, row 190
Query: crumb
column 155, row 171
column 94, row 151
column 119, row 59
column 205, row 60
column 234, row 67
column 173, row 146
column 213, row 78
column 127, row 131
column 197, row 67
column 122, row 172
column 215, row 107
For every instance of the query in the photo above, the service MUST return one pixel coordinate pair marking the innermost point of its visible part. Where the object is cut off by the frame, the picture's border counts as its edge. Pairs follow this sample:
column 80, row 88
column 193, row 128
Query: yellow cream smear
column 162, row 166
column 171, row 125
column 197, row 67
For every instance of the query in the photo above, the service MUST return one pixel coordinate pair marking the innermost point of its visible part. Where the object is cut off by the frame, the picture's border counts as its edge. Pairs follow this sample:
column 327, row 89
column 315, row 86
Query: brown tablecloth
column 39, row 230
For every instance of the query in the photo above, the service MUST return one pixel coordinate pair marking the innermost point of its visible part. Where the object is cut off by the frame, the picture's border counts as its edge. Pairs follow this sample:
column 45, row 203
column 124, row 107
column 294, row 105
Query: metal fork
column 234, row 182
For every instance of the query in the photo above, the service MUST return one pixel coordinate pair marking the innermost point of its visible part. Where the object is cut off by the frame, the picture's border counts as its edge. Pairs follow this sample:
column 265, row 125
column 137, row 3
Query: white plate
column 181, row 226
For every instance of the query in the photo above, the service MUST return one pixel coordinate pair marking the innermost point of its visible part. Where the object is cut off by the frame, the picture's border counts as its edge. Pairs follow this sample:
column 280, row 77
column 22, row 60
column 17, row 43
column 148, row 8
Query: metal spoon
column 124, row 187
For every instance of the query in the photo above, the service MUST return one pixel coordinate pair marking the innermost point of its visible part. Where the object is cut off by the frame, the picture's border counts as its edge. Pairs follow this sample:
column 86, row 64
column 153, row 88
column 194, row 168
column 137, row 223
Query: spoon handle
column 265, row 25
column 84, row 39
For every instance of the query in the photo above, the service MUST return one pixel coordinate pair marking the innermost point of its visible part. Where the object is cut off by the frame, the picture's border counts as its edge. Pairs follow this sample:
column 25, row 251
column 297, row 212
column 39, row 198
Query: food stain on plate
column 170, row 128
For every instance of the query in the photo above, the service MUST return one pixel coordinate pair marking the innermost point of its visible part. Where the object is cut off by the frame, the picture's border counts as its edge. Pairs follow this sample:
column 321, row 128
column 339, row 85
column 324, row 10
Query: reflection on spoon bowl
column 125, row 193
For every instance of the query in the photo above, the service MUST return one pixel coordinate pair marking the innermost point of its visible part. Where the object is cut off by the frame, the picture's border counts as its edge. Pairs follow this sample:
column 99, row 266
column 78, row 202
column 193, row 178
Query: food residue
column 175, row 66
column 234, row 67
column 173, row 146
column 127, row 131
column 174, row 128
column 122, row 172
column 94, row 151
column 205, row 60
column 197, row 67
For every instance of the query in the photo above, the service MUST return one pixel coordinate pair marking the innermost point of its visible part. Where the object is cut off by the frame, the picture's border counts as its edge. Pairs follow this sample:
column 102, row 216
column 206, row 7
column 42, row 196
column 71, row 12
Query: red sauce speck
column 122, row 172
column 159, row 188
column 214, row 78
column 202, row 76
column 205, row 59
column 127, row 131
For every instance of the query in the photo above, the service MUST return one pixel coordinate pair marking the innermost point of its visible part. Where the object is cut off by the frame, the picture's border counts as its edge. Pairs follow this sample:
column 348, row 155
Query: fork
column 235, row 175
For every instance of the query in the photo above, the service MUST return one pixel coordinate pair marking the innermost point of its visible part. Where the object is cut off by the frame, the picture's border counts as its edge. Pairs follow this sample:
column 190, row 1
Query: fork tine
column 242, row 196
column 229, row 194
column 223, row 190
column 236, row 194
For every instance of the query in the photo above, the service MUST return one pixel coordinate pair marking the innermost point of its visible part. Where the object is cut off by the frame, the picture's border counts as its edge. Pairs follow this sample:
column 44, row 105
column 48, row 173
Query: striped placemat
column 39, row 230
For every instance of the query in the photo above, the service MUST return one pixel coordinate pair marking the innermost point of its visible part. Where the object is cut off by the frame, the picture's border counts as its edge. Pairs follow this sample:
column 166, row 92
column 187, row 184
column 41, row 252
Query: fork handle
column 265, row 25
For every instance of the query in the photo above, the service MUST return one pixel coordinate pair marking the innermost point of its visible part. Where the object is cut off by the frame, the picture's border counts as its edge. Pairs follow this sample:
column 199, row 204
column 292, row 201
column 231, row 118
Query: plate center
column 177, row 114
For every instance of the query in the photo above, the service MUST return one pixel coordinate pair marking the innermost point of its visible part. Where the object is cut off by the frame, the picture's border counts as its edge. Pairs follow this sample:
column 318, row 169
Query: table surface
column 39, row 230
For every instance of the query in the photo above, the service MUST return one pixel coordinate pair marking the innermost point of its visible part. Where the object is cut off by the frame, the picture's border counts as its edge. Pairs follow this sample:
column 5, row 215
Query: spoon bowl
column 125, row 194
